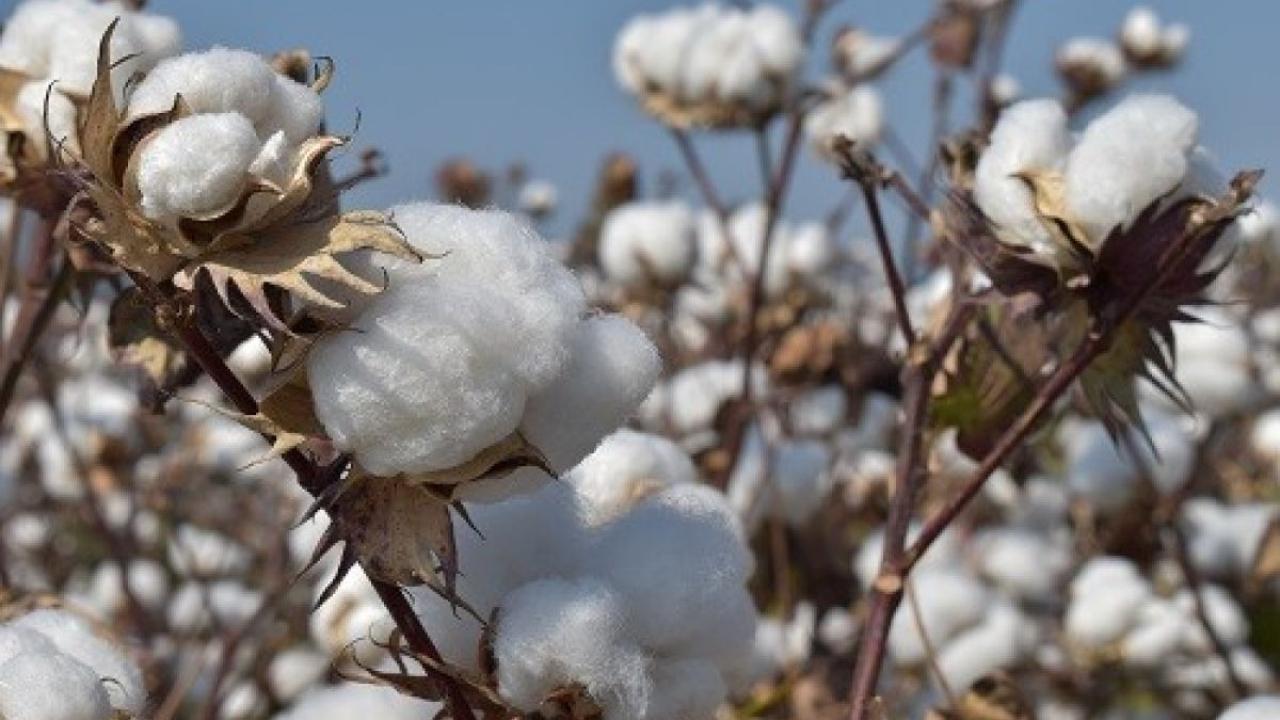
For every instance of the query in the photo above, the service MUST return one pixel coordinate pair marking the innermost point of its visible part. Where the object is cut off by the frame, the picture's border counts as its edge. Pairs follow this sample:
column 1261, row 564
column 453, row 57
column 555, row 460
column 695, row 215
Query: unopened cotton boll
column 442, row 363
column 626, row 467
column 612, row 367
column 197, row 166
column 643, row 242
column 856, row 114
column 1127, row 158
column 358, row 700
column 949, row 600
column 1029, row 136
column 51, row 686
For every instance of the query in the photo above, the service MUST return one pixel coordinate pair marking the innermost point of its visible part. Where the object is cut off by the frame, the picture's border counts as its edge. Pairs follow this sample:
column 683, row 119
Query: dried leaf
column 497, row 460
column 1266, row 559
column 136, row 339
column 403, row 534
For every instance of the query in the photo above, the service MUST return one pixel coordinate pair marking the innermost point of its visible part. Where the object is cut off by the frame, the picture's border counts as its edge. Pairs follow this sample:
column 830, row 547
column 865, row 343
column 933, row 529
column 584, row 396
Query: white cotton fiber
column 1224, row 613
column 643, row 242
column 999, row 641
column 612, row 367
column 219, row 80
column 685, row 688
column 800, row 480
column 39, row 104
column 357, row 700
column 710, row 54
column 294, row 670
column 679, row 601
column 58, row 40
column 1140, row 32
column 197, row 166
column 626, row 467
column 51, row 686
column 1029, row 136
column 75, row 638
column 1101, row 58
column 856, row 114
column 950, row 601
column 818, row 411
column 441, row 364
column 554, row 633
column 702, row 389
column 1107, row 595
column 1259, row 707
column 1160, row 629
column 1126, row 158
column 1213, row 363
column 1023, row 561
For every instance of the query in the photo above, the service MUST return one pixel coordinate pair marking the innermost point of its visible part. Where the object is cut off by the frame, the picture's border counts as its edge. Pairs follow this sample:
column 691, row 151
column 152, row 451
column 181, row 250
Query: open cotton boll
column 698, row 392
column 1029, row 136
column 1260, row 707
column 999, row 641
column 774, row 36
column 680, row 600
column 1258, row 226
column 612, row 367
column 950, row 601
column 555, row 633
column 46, row 109
column 782, row 642
column 861, row 55
column 1213, row 363
column 641, row 242
column 294, row 670
column 1107, row 595
column 75, row 638
column 1228, row 620
column 197, row 166
column 358, row 700
column 943, row 554
column 1127, row 158
column 51, row 686
column 856, row 114
column 441, row 364
column 1140, row 31
column 799, row 483
column 25, row 44
column 626, row 467
column 1023, row 561
column 1160, row 630
column 220, row 80
column 810, row 250
column 685, row 688
column 1098, row 59
column 1224, row 539
column 818, row 411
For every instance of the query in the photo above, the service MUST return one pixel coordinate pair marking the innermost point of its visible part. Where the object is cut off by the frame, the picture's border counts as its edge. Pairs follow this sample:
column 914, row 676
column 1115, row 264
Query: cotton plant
column 710, row 66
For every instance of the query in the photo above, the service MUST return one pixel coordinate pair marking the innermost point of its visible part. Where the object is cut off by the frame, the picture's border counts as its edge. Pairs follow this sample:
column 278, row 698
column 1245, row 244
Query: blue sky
column 530, row 81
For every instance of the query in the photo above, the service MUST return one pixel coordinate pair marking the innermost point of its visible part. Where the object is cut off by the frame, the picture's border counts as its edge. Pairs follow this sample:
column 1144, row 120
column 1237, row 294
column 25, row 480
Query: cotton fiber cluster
column 1102, row 472
column 1090, row 65
column 248, row 121
column 485, row 338
column 856, row 114
column 707, row 63
column 352, row 700
column 638, row 599
column 785, row 479
column 643, row 243
column 861, row 55
column 1123, row 161
column 53, row 666
column 730, row 256
column 1147, row 40
column 57, row 41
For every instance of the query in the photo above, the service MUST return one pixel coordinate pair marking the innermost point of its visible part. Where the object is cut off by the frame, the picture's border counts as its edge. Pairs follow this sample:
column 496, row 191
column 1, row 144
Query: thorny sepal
column 285, row 236
column 479, row 689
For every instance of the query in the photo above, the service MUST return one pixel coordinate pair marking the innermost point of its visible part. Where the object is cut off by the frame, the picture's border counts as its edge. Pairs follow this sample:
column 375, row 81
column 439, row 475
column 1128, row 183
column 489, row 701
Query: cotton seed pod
column 215, row 165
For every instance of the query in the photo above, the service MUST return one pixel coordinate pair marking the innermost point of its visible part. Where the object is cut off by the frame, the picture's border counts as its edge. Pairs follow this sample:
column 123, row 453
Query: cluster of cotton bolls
column 247, row 121
column 54, row 44
column 54, row 664
column 1090, row 65
column 709, row 65
column 1127, row 158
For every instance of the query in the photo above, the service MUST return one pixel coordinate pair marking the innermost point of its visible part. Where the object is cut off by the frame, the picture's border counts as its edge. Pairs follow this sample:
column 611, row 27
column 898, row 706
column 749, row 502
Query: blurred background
column 505, row 81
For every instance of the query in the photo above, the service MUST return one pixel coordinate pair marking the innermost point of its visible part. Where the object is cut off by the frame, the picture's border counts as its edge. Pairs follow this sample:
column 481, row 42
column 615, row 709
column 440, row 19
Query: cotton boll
column 1258, row 226
column 810, row 250
column 357, row 700
column 818, row 411
column 1003, row 637
column 1025, row 562
column 861, row 55
column 1260, row 707
column 679, row 601
column 554, row 633
column 1225, row 615
column 781, row 643
column 774, row 35
column 1127, row 158
column 944, row 553
column 1213, row 362
column 647, row 241
column 1090, row 64
column 1264, row 438
column 75, row 638
column 702, row 389
column 1140, row 32
column 296, row 110
column 949, row 602
column 215, row 81
column 426, row 382
column 16, row 640
column 538, row 198
column 1029, row 136
column 1005, row 89
column 25, row 42
column 838, row 630
column 242, row 701
column 294, row 670
column 612, row 367
column 626, row 467
column 1160, row 630
column 42, row 102
column 196, row 166
column 800, row 481
column 1107, row 595
column 195, row 551
column 856, row 114
column 51, row 686
column 1097, row 470
column 1224, row 539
